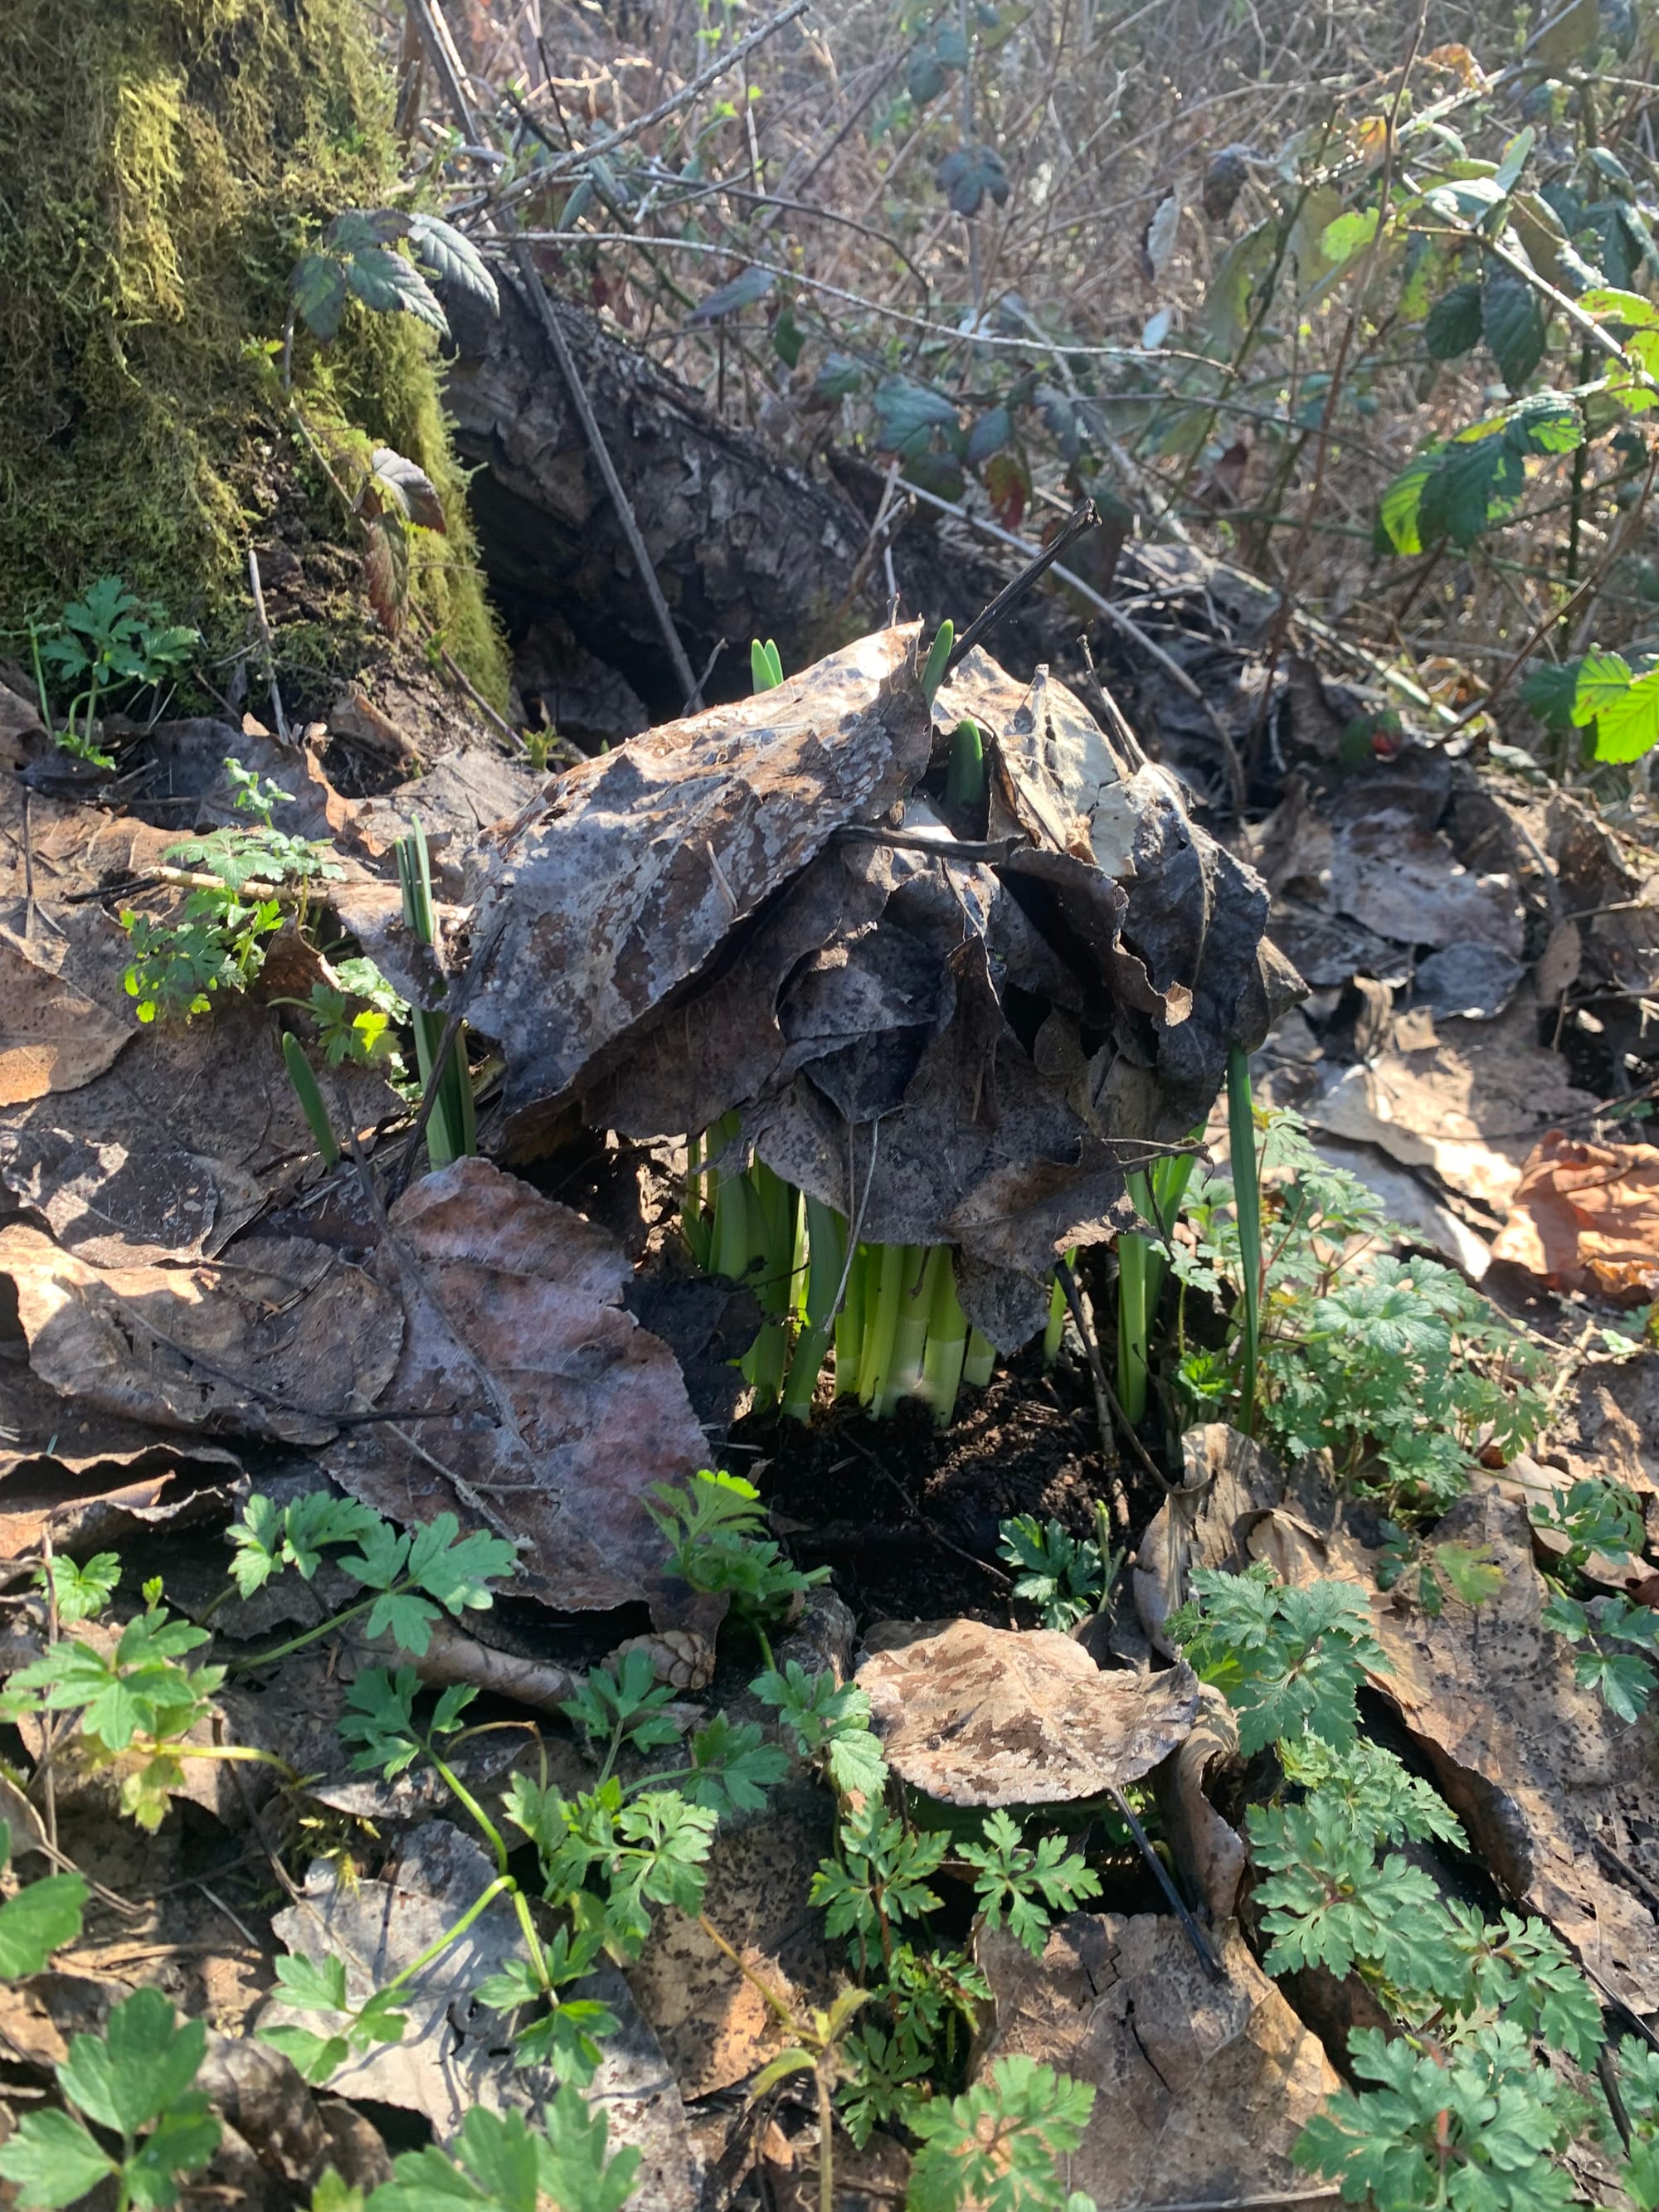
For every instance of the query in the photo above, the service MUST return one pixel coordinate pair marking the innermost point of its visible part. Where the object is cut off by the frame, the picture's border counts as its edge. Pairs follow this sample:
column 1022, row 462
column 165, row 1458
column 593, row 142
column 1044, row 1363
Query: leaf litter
column 702, row 923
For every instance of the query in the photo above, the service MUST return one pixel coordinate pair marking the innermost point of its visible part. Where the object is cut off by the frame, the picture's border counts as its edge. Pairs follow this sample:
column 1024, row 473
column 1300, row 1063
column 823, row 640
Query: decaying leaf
column 1586, row 1218
column 980, row 1715
column 1209, row 1850
column 282, row 1342
column 533, row 1400
column 52, row 1036
column 453, row 2053
column 713, row 2025
column 1202, row 2087
column 93, row 1500
column 1470, row 1109
column 953, row 1052
column 1229, row 1483
column 177, row 1145
column 644, row 859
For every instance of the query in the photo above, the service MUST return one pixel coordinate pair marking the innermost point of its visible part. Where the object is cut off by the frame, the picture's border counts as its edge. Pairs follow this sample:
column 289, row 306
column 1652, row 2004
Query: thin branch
column 542, row 307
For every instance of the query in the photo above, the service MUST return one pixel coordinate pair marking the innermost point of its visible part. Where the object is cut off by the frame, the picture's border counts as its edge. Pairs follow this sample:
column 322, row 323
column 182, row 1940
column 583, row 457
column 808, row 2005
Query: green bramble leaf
column 1454, row 324
column 1513, row 324
column 452, row 259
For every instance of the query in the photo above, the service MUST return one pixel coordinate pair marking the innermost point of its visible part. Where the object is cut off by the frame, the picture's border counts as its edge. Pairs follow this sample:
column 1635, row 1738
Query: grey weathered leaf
column 1157, row 241
column 979, row 1715
column 744, row 289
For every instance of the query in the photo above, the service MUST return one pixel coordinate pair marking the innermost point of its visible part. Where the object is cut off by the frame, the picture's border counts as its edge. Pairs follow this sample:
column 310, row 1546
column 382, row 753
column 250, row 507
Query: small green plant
column 38, row 1920
column 133, row 1701
column 1593, row 1515
column 1602, row 1518
column 452, row 1129
column 216, row 940
column 1396, row 1367
column 1464, row 2112
column 1289, row 1659
column 79, row 1593
column 410, row 1577
column 997, row 2144
column 1625, row 1678
column 714, row 1529
column 499, row 2163
column 1065, row 1576
column 1429, row 1572
column 108, row 640
column 134, row 2080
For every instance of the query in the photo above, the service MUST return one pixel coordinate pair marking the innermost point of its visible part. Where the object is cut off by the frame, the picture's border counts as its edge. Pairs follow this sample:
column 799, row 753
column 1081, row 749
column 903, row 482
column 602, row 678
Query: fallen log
column 744, row 543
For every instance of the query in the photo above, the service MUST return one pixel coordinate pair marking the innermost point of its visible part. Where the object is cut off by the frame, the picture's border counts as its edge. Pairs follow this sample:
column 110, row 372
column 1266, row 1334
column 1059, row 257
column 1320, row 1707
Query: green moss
column 166, row 162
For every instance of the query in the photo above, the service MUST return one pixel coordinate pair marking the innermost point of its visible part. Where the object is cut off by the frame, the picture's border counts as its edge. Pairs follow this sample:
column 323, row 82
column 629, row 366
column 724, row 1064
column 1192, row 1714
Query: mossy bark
column 168, row 161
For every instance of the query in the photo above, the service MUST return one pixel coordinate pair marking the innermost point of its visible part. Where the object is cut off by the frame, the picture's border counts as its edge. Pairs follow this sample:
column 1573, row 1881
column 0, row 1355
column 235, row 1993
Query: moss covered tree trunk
column 166, row 163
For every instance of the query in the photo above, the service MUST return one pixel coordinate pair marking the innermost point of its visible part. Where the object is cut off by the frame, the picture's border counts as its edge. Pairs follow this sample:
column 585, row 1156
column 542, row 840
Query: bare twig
column 1080, row 519
column 542, row 307
column 721, row 66
column 255, row 581
column 1107, row 1409
column 995, row 850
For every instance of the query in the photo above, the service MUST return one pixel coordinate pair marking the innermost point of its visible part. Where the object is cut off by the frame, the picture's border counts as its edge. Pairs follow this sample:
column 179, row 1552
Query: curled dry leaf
column 530, row 1398
column 1209, row 1852
column 979, row 1715
column 665, row 955
column 1228, row 1483
column 180, row 1143
column 1586, row 1218
column 1202, row 2087
column 93, row 1500
column 283, row 1343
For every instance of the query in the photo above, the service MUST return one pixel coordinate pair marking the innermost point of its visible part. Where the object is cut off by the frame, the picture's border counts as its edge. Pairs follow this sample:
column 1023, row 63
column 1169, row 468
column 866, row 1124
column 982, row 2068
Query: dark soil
column 907, row 1516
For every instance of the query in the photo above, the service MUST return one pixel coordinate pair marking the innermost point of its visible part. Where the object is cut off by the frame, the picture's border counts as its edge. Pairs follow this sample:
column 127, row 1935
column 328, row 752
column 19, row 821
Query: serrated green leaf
column 52, row 2161
column 1454, row 324
column 145, row 2061
column 320, row 293
column 1512, row 322
column 386, row 281
column 38, row 1921
column 453, row 258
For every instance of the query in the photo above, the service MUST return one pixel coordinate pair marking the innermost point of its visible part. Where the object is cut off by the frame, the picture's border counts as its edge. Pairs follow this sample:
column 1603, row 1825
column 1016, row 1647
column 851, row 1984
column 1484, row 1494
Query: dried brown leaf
column 280, row 1343
column 1586, row 1218
column 534, row 1401
column 1202, row 2087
